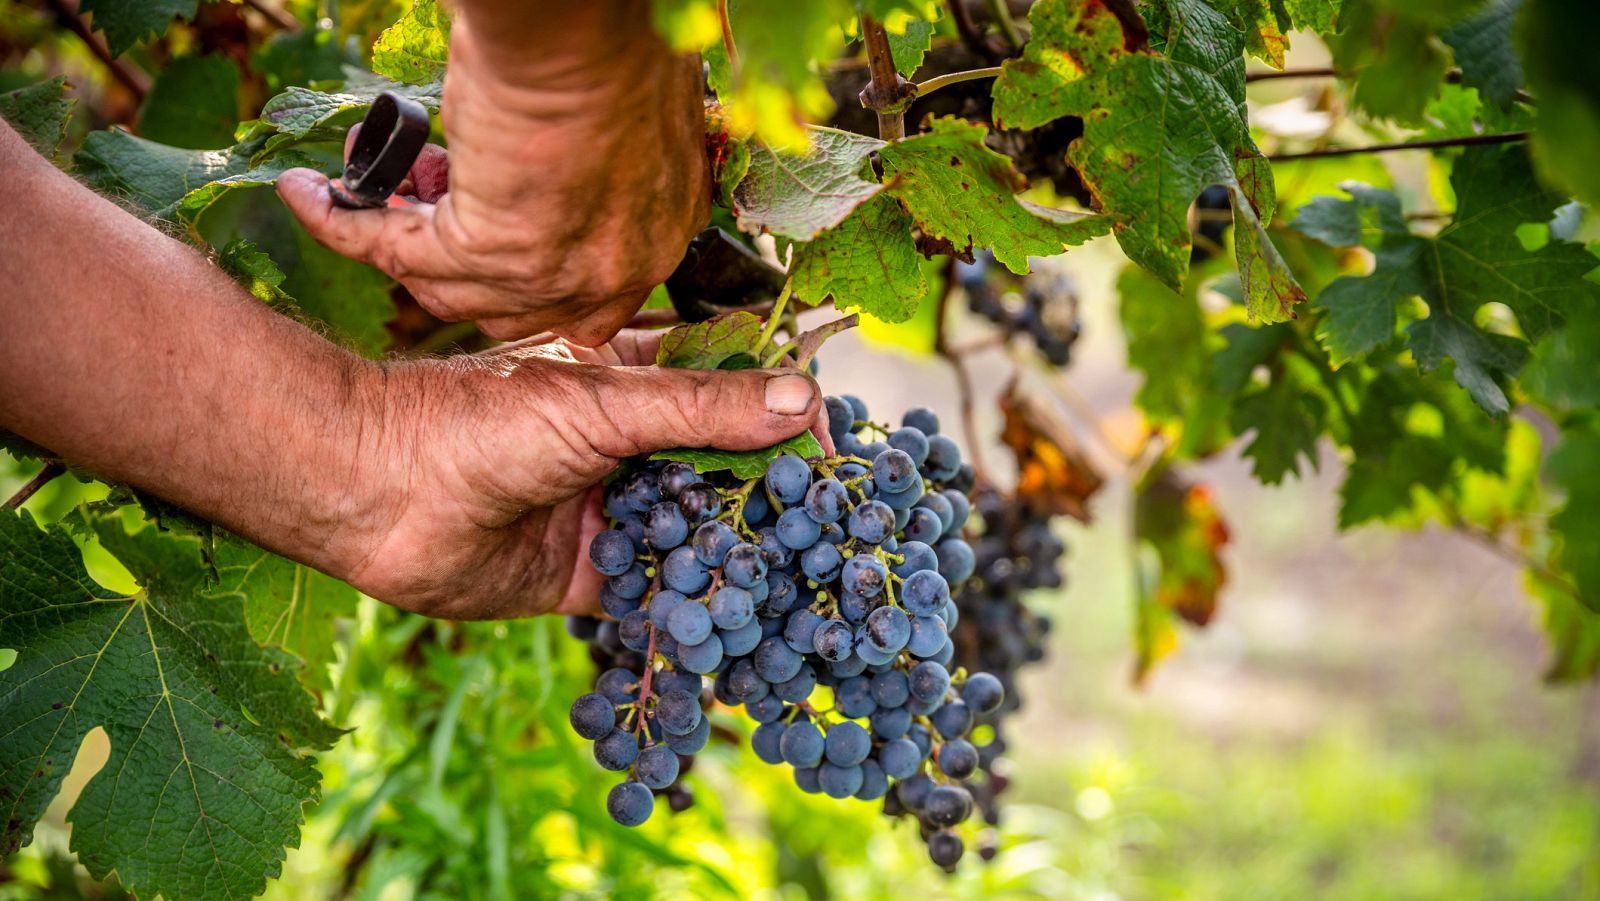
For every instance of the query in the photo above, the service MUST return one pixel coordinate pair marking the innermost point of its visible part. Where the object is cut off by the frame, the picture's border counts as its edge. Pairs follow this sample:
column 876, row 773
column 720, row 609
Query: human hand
column 577, row 174
column 492, row 466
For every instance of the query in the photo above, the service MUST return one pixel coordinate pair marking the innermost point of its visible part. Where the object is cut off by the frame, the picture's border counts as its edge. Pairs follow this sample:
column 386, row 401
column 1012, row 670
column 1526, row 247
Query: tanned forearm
column 131, row 355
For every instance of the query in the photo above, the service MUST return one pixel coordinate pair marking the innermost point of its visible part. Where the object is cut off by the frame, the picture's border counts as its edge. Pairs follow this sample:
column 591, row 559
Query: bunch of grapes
column 818, row 597
column 1016, row 552
column 1040, row 305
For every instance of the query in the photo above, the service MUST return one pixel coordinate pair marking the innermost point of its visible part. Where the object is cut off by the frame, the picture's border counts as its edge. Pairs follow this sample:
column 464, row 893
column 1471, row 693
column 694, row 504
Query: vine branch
column 925, row 88
column 136, row 82
column 887, row 94
column 277, row 15
column 52, row 469
column 1466, row 141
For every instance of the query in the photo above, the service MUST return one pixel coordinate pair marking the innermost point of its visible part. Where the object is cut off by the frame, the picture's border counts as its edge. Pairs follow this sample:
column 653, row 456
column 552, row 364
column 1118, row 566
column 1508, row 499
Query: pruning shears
column 391, row 138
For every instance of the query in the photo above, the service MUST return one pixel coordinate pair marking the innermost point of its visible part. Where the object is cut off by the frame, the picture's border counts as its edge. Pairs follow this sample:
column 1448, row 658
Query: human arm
column 455, row 487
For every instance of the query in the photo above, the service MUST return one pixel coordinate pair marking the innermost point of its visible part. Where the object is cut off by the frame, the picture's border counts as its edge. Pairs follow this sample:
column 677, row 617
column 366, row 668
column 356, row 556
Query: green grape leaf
column 1179, row 574
column 1368, row 217
column 709, row 344
column 1556, row 40
column 127, row 22
column 1562, row 371
column 40, row 113
column 797, row 195
column 352, row 297
column 304, row 56
column 1321, row 16
column 742, row 464
column 1574, row 630
column 412, row 50
column 1475, row 259
column 1287, row 422
column 194, row 104
column 959, row 190
column 1263, row 35
column 868, row 262
column 204, row 787
column 253, row 269
column 1484, row 52
column 1158, row 129
column 908, row 47
column 286, row 605
column 777, row 85
column 1169, row 343
column 152, row 176
column 1395, row 58
column 299, row 111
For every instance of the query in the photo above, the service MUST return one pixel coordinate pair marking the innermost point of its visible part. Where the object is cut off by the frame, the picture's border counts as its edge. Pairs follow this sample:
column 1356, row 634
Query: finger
column 399, row 240
column 637, row 347
column 430, row 174
column 583, row 589
column 624, row 411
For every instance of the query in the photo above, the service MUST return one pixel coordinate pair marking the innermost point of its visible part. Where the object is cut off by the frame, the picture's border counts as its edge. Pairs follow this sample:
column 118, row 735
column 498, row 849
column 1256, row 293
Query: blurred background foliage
column 1363, row 718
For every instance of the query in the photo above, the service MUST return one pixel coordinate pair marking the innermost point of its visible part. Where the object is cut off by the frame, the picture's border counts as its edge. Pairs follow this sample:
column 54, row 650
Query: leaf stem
column 727, row 35
column 52, row 469
column 1465, row 141
column 777, row 356
column 924, row 88
column 773, row 319
column 1008, row 27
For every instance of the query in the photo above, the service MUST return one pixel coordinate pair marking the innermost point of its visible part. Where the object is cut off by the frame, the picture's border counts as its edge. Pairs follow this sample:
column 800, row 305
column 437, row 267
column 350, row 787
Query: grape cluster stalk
column 818, row 598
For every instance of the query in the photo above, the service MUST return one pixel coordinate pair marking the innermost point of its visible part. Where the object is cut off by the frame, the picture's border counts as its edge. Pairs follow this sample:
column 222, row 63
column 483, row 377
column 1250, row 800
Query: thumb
column 397, row 239
column 644, row 409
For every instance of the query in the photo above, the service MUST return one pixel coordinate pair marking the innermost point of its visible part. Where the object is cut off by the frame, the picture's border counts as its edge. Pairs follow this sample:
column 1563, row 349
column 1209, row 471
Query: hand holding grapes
column 577, row 174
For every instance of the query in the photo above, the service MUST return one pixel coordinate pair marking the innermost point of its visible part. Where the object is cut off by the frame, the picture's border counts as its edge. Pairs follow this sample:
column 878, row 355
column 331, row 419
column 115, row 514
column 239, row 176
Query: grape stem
column 924, row 88
column 727, row 36
column 52, row 469
column 773, row 319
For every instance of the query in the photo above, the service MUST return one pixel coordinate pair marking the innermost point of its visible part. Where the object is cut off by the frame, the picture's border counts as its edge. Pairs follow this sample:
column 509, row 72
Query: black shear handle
column 390, row 139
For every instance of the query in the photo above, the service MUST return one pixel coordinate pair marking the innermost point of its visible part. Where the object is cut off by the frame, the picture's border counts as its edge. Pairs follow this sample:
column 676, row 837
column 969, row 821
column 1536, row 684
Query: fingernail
column 789, row 395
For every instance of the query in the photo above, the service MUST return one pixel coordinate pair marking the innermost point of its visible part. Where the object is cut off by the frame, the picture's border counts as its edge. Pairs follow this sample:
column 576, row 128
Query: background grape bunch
column 1041, row 305
column 818, row 597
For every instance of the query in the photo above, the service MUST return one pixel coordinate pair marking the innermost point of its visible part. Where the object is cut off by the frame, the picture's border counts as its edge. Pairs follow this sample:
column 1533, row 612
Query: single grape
column 834, row 640
column 664, row 526
column 712, row 541
column 953, row 720
column 903, row 500
column 745, row 565
column 871, row 451
column 806, row 778
column 890, row 689
column 692, row 741
column 593, row 716
column 960, row 509
column 657, row 767
column 634, row 630
column 928, row 636
column 778, row 554
column 945, row 848
column 821, row 562
column 913, row 792
column 853, row 697
column 890, row 722
column 798, row 687
column 731, row 607
column 893, row 471
column 618, row 685
column 704, row 657
column 616, row 751
column 899, row 758
column 611, row 552
column 948, row 805
column 800, row 631
column 912, row 441
column 678, row 712
column 940, row 505
column 958, row 758
column 756, row 508
column 874, row 784
column 871, row 653
column 944, row 458
column 675, row 477
column 864, row 575
column 923, row 524
column 917, row 557
column 839, row 781
column 832, row 533
column 765, row 741
column 858, row 407
column 827, row 500
column 615, row 605
column 741, row 641
column 797, row 530
column 776, row 661
column 850, row 666
column 854, row 608
column 965, row 478
column 929, row 681
column 922, row 419
column 888, row 630
column 841, row 417
column 848, row 744
column 631, row 584
column 956, row 560
column 983, row 693
column 871, row 521
column 630, row 803
column 781, row 595
column 642, row 492
column 802, row 744
column 766, row 710
column 788, row 478
column 616, row 502
column 689, row 623
column 682, row 573
column 700, row 503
